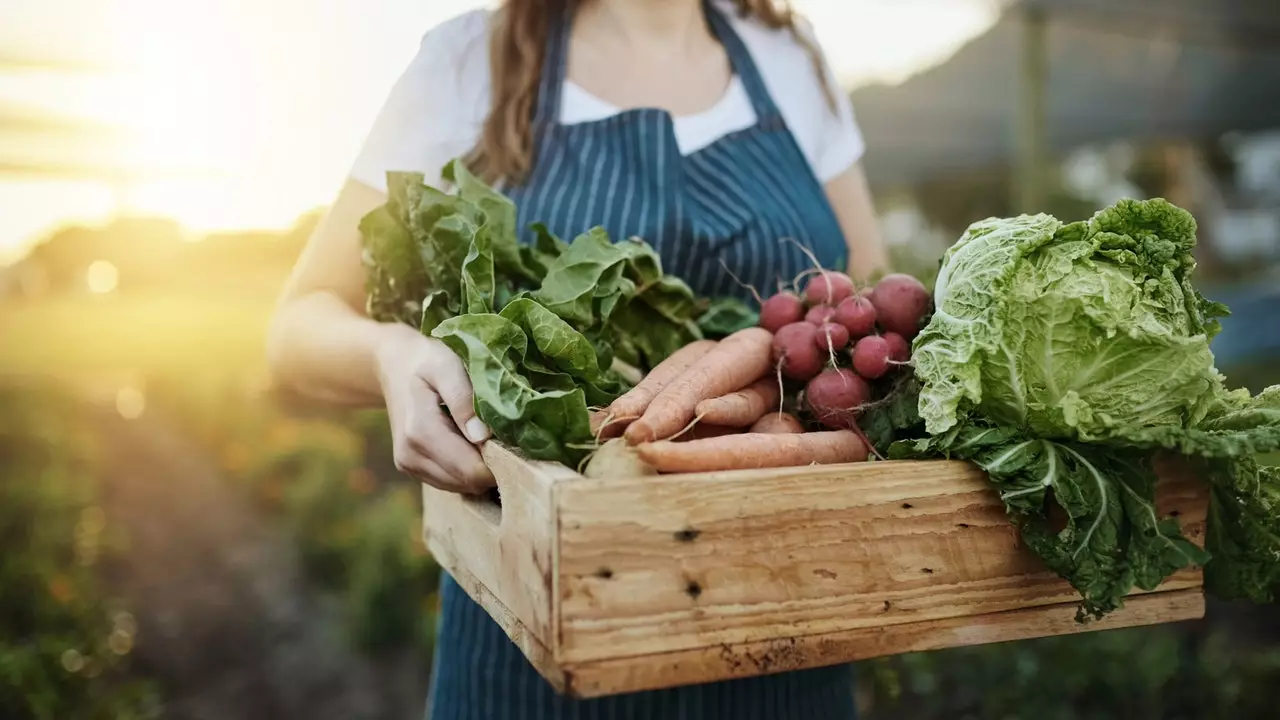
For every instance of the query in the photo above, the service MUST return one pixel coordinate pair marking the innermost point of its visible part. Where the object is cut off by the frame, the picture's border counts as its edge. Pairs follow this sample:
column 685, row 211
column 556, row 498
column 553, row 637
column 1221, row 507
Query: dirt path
column 227, row 622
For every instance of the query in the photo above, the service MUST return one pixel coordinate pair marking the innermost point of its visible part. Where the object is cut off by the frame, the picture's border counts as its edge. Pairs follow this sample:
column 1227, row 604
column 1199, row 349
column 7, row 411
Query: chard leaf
column 395, row 278
column 435, row 310
column 650, row 335
column 546, row 424
column 478, row 283
column 546, row 247
column 500, row 225
column 671, row 298
column 726, row 316
column 591, row 268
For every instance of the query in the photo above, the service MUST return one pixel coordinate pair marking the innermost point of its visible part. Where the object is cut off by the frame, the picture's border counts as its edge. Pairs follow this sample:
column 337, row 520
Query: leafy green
column 546, row 424
column 725, row 316
column 538, row 326
column 1085, row 331
column 894, row 414
column 1061, row 359
column 1112, row 539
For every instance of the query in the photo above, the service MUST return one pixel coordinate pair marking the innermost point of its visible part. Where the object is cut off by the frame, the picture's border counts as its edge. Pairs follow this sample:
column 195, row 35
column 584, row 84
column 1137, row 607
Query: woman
column 713, row 129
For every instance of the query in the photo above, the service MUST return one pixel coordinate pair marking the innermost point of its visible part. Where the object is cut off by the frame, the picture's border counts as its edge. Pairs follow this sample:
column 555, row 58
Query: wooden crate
column 612, row 586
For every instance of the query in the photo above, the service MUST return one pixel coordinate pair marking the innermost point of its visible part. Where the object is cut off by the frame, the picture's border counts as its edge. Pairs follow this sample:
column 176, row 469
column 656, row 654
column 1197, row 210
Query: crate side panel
column 698, row 561
column 507, row 552
column 701, row 665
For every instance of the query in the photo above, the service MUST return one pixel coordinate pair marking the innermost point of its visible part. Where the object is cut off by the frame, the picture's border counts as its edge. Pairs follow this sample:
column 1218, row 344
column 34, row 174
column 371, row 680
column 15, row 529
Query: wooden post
column 1033, row 80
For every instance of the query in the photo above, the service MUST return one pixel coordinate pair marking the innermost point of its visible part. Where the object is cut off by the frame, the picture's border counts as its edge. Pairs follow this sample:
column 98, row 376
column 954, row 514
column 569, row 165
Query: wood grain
column 623, row 584
column 508, row 552
column 678, row 562
column 700, row 665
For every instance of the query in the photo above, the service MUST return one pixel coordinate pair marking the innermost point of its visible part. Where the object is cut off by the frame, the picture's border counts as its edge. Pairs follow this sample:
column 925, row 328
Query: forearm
column 851, row 198
column 868, row 256
column 321, row 348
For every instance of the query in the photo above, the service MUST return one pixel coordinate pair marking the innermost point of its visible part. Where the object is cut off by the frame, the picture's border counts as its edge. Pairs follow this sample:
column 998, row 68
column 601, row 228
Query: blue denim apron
column 732, row 202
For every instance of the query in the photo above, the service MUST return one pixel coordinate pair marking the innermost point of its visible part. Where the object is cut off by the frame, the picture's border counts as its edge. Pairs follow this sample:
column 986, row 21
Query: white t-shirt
column 436, row 109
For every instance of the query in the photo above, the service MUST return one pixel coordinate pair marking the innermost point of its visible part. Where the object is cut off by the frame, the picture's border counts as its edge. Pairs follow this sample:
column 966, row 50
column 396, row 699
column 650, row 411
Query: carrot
column 734, row 363
column 632, row 404
column 742, row 408
column 702, row 431
column 754, row 450
column 777, row 424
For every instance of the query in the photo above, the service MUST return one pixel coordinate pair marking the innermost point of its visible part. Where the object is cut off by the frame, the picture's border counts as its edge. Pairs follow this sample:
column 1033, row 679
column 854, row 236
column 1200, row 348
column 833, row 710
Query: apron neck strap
column 556, row 61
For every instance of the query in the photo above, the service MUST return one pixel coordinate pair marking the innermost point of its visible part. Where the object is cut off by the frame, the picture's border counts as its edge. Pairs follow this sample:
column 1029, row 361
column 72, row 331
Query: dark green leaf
column 726, row 316
column 435, row 310
column 897, row 411
column 478, row 285
column 1112, row 539
column 1244, row 530
column 500, row 225
column 546, row 424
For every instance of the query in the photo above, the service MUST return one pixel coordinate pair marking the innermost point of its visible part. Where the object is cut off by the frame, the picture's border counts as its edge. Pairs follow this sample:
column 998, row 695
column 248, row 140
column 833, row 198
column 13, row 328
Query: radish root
column 686, row 429
column 755, row 293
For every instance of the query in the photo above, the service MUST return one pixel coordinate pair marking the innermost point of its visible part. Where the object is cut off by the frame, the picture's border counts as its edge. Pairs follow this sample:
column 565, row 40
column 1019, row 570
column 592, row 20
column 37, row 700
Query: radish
column 781, row 310
column 836, row 397
column 828, row 288
column 899, row 348
column 796, row 351
column 872, row 357
column 857, row 314
column 820, row 314
column 901, row 302
column 832, row 336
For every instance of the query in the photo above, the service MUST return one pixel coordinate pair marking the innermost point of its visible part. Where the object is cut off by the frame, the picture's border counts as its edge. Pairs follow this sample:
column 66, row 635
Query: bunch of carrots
column 785, row 393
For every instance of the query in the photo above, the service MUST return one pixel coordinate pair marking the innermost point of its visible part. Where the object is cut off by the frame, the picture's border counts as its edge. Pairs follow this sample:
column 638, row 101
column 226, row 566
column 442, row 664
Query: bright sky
column 243, row 113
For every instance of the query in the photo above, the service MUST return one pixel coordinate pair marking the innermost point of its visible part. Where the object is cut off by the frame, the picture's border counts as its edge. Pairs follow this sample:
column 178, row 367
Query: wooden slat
column 699, row 665
column 506, row 554
column 672, row 563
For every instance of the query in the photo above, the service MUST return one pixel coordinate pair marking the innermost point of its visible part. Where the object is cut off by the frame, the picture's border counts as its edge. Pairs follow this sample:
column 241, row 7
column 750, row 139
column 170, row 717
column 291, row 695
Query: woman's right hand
column 420, row 377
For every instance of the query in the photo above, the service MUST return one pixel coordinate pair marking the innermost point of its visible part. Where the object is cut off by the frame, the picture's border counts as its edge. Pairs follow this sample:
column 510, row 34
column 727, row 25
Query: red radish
column 779, row 310
column 899, row 348
column 796, row 352
column 832, row 336
column 857, row 314
column 901, row 301
column 871, row 357
column 819, row 314
column 836, row 398
column 828, row 288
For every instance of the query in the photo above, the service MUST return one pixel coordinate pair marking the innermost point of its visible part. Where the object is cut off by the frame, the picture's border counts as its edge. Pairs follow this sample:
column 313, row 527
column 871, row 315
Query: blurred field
column 134, row 334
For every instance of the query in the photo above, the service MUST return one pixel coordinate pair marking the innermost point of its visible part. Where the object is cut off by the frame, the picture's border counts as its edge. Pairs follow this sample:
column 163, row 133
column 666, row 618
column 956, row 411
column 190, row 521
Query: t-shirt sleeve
column 435, row 109
column 840, row 143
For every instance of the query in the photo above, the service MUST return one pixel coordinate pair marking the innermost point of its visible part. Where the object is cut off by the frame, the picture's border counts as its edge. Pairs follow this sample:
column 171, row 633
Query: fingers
column 449, row 379
column 428, row 435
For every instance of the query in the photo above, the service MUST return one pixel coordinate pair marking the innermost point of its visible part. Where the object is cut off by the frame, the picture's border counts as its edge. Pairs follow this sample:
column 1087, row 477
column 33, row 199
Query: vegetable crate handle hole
column 488, row 506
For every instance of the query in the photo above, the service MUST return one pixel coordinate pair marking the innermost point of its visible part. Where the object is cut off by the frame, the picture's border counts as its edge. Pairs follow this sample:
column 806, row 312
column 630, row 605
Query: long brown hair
column 517, row 48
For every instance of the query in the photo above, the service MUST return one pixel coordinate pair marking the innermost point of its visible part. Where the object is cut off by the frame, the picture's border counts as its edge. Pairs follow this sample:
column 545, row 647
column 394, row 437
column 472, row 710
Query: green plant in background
column 64, row 647
column 1149, row 673
column 330, row 480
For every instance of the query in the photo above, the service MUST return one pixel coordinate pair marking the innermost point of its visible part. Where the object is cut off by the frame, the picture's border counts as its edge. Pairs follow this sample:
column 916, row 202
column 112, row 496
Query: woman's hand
column 420, row 377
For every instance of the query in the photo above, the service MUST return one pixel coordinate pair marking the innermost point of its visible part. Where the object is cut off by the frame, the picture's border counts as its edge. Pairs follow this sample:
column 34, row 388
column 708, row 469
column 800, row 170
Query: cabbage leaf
column 1061, row 358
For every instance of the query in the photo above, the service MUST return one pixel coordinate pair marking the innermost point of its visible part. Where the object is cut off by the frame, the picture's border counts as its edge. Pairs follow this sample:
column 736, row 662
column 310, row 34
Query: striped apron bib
column 732, row 202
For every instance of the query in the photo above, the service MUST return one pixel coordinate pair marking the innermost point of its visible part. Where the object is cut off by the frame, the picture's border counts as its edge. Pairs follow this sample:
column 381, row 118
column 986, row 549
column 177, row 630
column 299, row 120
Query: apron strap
column 555, row 65
column 743, row 64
